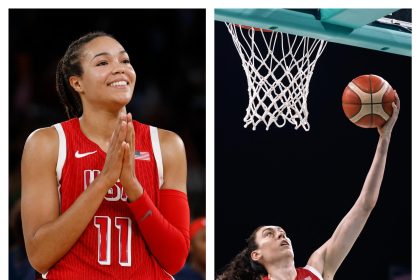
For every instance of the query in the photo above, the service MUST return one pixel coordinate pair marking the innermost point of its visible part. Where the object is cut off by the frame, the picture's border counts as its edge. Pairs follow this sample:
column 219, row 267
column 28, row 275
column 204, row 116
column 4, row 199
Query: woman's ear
column 75, row 83
column 256, row 255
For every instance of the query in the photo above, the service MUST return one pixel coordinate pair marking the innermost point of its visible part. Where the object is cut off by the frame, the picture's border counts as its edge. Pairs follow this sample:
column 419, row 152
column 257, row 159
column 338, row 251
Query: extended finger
column 133, row 139
column 122, row 132
column 116, row 144
column 127, row 161
column 131, row 134
column 398, row 99
column 391, row 122
column 129, row 124
column 117, row 128
column 121, row 152
column 395, row 111
column 116, row 133
column 127, row 155
column 396, row 108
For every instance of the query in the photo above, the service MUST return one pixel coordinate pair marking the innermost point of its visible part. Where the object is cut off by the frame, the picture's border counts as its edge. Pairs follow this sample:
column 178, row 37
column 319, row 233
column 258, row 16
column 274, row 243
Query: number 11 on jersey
column 104, row 224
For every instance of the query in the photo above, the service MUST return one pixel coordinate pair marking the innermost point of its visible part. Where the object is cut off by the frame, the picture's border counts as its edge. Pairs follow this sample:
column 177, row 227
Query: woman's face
column 273, row 245
column 108, row 78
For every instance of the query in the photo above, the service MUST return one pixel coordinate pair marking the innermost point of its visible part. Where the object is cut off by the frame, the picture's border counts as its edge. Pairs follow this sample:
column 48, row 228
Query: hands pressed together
column 119, row 162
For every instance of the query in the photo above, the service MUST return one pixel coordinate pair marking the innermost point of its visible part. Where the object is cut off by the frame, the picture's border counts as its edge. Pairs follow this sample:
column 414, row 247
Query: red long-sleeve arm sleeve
column 166, row 230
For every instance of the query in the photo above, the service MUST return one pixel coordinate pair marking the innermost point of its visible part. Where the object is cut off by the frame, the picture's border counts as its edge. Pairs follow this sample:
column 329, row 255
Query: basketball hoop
column 278, row 87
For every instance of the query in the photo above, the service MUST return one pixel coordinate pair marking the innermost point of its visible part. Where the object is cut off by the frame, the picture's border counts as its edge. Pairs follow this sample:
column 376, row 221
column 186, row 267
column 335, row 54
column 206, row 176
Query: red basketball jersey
column 111, row 247
column 305, row 273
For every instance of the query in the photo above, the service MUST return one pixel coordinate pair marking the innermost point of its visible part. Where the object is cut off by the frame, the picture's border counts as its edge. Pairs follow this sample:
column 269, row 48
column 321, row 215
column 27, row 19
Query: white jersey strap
column 169, row 274
column 157, row 152
column 62, row 150
column 314, row 271
column 62, row 154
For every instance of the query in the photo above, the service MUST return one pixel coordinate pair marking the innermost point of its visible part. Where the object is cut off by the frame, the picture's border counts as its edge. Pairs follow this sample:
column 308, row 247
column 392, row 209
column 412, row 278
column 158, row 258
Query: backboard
column 279, row 49
column 387, row 30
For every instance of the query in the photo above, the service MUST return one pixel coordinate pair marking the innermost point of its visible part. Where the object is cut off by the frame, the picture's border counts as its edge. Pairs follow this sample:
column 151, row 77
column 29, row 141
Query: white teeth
column 119, row 83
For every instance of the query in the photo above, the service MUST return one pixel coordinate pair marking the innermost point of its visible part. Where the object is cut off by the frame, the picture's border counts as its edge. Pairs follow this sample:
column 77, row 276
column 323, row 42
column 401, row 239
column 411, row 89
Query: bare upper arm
column 174, row 161
column 40, row 203
column 317, row 260
column 328, row 258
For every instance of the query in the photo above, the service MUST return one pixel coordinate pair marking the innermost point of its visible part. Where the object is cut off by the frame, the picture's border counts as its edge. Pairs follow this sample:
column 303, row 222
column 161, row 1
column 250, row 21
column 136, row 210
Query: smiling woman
column 91, row 206
column 90, row 78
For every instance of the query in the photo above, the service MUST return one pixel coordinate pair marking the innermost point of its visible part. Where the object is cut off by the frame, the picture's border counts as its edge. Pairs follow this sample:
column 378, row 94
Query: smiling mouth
column 118, row 84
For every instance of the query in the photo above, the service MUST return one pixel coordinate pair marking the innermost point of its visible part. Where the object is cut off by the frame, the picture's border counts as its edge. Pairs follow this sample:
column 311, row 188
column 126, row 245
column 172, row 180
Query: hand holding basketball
column 367, row 101
column 386, row 129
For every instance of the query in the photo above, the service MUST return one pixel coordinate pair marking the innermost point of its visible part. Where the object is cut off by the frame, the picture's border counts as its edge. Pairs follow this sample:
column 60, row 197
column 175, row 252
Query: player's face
column 273, row 244
column 108, row 77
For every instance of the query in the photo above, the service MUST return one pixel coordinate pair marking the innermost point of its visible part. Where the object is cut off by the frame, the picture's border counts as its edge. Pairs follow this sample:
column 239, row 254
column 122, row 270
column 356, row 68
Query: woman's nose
column 118, row 68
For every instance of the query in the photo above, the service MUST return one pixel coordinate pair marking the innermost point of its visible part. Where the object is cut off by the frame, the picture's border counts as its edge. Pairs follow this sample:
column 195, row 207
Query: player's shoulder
column 43, row 140
column 170, row 138
column 169, row 141
column 45, row 135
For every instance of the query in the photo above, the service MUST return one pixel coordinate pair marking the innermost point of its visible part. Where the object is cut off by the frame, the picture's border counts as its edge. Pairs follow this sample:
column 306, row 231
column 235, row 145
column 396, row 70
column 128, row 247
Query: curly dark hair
column 69, row 65
column 242, row 267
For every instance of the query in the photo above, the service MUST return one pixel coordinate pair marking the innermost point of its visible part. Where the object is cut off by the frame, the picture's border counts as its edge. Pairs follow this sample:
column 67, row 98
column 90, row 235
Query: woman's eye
column 126, row 61
column 101, row 63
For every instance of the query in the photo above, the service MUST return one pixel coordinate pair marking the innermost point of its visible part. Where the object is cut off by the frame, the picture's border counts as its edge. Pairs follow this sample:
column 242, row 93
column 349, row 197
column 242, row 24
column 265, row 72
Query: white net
column 278, row 87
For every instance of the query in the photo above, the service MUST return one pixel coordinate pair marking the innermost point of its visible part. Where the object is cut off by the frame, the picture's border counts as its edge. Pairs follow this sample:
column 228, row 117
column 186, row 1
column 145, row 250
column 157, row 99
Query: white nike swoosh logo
column 78, row 155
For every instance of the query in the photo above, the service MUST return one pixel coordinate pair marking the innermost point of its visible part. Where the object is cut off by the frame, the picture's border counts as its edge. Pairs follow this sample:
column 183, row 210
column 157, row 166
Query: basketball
column 367, row 101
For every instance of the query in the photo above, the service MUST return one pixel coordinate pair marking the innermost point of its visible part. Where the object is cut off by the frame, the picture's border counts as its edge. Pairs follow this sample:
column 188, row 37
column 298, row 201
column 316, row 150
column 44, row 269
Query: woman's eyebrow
column 106, row 53
column 266, row 229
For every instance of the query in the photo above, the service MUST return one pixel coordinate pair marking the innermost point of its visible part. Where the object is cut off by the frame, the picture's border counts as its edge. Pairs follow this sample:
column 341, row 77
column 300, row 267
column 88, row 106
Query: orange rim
column 255, row 28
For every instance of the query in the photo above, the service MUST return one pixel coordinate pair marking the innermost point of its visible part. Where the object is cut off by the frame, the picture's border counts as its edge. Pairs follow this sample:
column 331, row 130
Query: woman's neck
column 282, row 271
column 98, row 126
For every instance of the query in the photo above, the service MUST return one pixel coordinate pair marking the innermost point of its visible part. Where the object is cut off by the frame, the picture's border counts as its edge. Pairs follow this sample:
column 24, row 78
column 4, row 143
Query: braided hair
column 69, row 65
column 243, row 267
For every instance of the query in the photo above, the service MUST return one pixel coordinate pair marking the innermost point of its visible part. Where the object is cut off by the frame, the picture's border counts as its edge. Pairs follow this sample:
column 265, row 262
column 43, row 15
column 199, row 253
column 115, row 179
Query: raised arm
column 329, row 256
column 49, row 234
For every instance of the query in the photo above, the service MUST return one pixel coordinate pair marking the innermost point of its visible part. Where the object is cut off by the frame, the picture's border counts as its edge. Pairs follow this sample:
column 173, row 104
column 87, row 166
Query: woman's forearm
column 53, row 240
column 372, row 184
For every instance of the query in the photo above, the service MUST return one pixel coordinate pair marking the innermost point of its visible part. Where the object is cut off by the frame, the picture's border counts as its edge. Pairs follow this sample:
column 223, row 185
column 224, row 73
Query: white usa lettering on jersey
column 115, row 193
